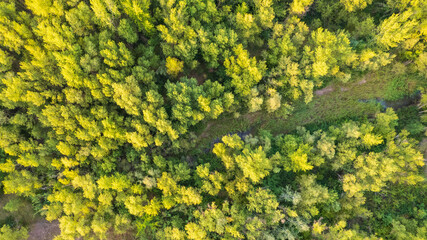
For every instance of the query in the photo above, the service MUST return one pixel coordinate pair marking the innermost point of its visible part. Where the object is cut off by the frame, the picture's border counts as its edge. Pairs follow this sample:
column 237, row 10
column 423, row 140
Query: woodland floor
column 43, row 230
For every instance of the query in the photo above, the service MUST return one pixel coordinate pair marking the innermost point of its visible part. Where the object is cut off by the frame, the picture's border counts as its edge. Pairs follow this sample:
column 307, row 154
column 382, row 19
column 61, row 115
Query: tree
column 139, row 12
column 115, row 55
column 46, row 7
column 80, row 19
column 244, row 72
column 194, row 231
column 300, row 6
column 395, row 29
column 296, row 154
column 21, row 183
column 7, row 233
column 355, row 5
column 13, row 27
column 254, row 165
column 180, row 39
column 330, row 54
column 56, row 35
column 127, row 31
column 273, row 102
column 247, row 25
column 264, row 13
column 128, row 95
column 107, row 12
column 174, row 66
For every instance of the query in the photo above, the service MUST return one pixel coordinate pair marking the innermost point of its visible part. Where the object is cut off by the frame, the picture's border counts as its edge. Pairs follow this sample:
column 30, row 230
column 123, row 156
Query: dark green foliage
column 397, row 89
column 397, row 204
column 409, row 119
column 2, row 174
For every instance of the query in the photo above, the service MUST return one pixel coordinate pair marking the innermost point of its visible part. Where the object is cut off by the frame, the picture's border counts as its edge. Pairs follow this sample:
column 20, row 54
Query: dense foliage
column 99, row 101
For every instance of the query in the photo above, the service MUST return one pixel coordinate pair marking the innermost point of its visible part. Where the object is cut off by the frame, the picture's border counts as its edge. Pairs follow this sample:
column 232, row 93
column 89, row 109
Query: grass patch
column 214, row 129
column 343, row 102
column 353, row 100
column 396, row 89
column 23, row 215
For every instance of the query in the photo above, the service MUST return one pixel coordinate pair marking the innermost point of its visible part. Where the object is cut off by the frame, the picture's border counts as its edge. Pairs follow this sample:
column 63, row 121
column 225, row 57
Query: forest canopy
column 101, row 100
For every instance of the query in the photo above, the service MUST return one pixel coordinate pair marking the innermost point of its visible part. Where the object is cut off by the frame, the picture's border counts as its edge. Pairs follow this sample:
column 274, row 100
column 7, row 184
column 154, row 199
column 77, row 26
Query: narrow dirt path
column 324, row 91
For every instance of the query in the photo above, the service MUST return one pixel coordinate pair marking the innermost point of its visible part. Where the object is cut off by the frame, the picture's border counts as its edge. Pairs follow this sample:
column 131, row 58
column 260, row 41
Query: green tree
column 174, row 66
column 7, row 233
column 245, row 72
column 355, row 5
column 138, row 11
column 300, row 6
column 127, row 31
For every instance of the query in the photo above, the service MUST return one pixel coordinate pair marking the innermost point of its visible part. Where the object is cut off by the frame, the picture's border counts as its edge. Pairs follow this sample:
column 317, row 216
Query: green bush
column 396, row 89
column 11, row 234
